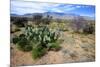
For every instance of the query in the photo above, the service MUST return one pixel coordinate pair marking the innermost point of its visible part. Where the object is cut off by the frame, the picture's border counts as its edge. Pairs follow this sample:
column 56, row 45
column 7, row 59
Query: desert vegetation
column 38, row 40
column 40, row 35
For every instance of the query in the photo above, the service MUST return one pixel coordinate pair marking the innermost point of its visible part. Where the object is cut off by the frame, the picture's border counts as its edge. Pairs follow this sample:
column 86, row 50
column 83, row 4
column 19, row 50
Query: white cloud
column 22, row 7
column 30, row 7
column 56, row 10
column 78, row 6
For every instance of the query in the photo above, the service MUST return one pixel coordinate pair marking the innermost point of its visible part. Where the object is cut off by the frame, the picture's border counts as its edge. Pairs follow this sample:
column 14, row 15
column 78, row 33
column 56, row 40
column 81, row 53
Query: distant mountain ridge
column 55, row 15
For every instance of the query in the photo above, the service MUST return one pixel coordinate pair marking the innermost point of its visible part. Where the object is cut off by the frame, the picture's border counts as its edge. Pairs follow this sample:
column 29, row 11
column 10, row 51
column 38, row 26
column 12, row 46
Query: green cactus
column 38, row 39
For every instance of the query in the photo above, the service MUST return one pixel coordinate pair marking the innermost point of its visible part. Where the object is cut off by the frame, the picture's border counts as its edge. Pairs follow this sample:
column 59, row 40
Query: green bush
column 23, row 44
column 15, row 40
column 55, row 46
column 38, row 52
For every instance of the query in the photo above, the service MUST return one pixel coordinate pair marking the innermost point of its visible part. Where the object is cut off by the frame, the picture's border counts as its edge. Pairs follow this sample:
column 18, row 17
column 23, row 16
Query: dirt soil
column 75, row 48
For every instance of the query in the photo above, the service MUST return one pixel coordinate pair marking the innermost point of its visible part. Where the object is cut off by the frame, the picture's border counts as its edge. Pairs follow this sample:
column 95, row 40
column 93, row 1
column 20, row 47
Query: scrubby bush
column 60, row 26
column 19, row 21
column 15, row 40
column 89, row 29
column 38, row 52
column 23, row 43
column 53, row 25
column 17, row 29
column 78, row 23
column 38, row 19
column 47, row 19
column 55, row 46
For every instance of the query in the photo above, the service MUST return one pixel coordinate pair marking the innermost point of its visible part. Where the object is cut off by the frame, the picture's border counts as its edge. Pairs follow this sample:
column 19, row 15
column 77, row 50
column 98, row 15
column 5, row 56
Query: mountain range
column 56, row 15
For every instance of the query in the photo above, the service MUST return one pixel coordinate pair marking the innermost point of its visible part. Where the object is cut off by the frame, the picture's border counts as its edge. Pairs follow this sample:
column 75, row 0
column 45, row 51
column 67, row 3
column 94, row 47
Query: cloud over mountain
column 23, row 7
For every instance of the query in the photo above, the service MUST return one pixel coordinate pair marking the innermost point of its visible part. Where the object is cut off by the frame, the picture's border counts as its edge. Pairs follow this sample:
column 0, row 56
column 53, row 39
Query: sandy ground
column 75, row 48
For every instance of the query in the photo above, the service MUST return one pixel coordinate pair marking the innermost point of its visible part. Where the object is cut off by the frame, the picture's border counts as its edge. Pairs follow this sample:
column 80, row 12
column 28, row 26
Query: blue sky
column 23, row 7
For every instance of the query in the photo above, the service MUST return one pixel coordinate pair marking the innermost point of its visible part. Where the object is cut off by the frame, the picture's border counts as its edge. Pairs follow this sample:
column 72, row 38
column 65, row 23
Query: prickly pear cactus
column 38, row 39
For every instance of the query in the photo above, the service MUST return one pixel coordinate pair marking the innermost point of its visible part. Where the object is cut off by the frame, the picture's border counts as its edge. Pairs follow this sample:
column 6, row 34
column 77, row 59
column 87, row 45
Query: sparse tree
column 78, row 23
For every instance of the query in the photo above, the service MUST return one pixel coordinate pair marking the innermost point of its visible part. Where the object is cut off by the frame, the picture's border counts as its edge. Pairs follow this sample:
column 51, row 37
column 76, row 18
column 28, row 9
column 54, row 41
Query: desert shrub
column 15, row 30
column 89, row 29
column 38, row 52
column 47, row 19
column 20, row 21
column 54, row 46
column 53, row 25
column 62, row 27
column 78, row 23
column 38, row 19
column 23, row 44
column 15, row 40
